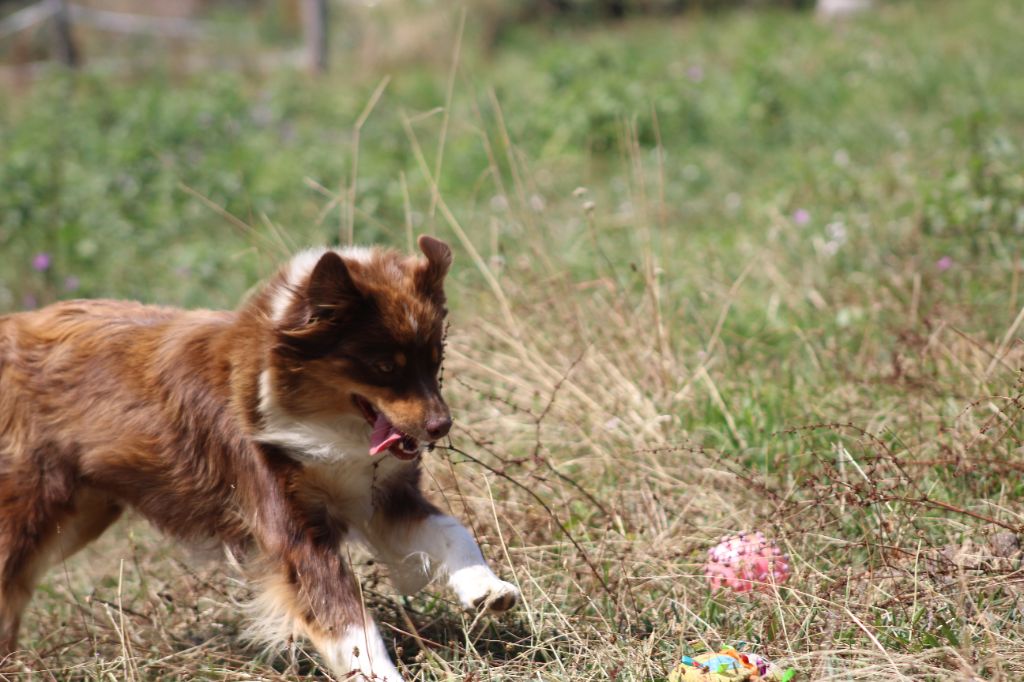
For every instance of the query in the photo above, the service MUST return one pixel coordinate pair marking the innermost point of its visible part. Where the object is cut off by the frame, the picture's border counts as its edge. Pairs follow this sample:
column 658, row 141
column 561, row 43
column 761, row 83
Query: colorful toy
column 728, row 665
column 745, row 562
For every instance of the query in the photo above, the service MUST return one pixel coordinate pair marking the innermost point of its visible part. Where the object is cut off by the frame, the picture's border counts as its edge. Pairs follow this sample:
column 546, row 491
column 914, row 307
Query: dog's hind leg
column 14, row 596
column 45, row 517
column 94, row 511
column 35, row 536
column 26, row 528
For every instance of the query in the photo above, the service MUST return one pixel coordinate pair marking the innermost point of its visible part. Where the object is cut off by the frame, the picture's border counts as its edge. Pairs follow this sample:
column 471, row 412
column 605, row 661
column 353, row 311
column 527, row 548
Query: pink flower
column 41, row 262
column 746, row 562
column 71, row 283
column 944, row 263
column 801, row 216
column 695, row 73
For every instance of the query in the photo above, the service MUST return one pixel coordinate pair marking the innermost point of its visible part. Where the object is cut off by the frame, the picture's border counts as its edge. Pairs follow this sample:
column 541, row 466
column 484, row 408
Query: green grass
column 784, row 298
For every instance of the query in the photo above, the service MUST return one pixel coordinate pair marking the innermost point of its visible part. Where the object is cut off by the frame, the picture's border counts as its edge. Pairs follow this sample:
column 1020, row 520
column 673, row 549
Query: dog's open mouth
column 385, row 436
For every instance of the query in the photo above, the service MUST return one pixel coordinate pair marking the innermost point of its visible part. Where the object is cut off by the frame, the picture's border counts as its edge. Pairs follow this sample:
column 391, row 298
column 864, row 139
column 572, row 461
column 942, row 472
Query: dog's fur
column 247, row 428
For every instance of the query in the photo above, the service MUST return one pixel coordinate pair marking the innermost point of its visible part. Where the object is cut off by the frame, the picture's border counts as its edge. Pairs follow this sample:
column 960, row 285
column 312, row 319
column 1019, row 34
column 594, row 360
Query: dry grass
column 576, row 463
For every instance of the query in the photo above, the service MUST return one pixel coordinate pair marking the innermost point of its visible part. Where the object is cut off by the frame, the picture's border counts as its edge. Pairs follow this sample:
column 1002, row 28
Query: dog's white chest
column 348, row 483
column 335, row 454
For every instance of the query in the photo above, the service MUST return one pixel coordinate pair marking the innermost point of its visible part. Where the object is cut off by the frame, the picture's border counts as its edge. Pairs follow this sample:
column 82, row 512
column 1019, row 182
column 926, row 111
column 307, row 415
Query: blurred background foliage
column 162, row 171
column 113, row 170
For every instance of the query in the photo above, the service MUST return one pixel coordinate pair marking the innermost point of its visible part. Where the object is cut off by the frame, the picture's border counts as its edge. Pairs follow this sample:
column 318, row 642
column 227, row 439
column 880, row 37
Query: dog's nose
column 438, row 427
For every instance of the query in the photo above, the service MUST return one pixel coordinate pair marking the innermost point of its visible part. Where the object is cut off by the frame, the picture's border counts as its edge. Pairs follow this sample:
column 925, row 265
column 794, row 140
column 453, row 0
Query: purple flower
column 29, row 301
column 695, row 73
column 41, row 262
column 801, row 216
column 944, row 263
column 71, row 283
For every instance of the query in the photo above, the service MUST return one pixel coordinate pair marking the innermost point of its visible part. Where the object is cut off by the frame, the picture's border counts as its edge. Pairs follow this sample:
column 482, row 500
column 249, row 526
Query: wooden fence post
column 63, row 40
column 314, row 20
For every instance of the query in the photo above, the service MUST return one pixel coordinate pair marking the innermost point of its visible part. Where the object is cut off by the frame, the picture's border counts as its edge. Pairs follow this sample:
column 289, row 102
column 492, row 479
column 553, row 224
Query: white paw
column 359, row 656
column 379, row 671
column 479, row 589
column 388, row 676
column 499, row 598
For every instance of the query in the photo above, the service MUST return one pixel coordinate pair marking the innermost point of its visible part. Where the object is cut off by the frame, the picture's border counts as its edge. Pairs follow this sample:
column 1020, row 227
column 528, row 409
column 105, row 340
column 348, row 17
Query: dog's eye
column 384, row 367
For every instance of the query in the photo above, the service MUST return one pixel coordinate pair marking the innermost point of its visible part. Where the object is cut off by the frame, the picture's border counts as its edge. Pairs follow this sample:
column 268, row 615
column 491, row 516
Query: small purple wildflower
column 29, row 301
column 71, row 283
column 41, row 262
column 801, row 216
column 695, row 73
column 944, row 263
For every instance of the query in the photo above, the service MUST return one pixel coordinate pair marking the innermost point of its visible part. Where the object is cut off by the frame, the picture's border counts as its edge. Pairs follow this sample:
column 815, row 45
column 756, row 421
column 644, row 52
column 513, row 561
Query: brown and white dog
column 279, row 430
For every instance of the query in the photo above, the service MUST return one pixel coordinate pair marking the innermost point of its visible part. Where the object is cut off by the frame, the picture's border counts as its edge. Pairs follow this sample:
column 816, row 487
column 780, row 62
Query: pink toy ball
column 746, row 562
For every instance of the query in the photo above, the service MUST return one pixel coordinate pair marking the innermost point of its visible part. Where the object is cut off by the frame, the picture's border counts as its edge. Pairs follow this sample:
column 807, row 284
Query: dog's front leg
column 308, row 590
column 417, row 541
column 455, row 553
column 312, row 593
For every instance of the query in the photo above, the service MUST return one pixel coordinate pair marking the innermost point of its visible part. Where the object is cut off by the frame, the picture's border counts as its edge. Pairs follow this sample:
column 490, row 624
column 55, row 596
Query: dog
column 279, row 431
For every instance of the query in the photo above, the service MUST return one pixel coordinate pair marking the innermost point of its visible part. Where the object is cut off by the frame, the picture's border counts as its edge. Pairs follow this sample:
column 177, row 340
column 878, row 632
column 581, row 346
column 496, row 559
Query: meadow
column 720, row 272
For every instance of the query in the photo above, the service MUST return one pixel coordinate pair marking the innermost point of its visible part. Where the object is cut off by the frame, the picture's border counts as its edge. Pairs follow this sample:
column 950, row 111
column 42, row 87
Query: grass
column 715, row 273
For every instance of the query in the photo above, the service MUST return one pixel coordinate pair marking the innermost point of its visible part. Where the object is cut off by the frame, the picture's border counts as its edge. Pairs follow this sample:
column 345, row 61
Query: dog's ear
column 430, row 276
column 330, row 289
column 329, row 296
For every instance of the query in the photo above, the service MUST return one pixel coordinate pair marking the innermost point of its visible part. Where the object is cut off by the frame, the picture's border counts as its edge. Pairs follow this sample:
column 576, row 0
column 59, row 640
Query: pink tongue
column 384, row 435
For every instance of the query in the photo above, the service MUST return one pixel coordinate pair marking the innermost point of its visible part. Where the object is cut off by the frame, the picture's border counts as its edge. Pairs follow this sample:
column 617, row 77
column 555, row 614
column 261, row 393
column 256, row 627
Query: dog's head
column 362, row 334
